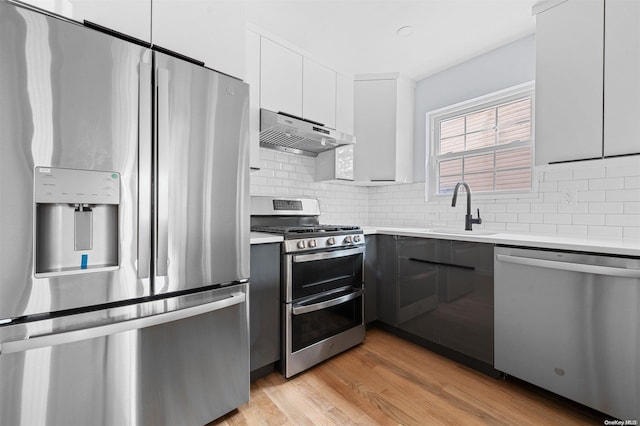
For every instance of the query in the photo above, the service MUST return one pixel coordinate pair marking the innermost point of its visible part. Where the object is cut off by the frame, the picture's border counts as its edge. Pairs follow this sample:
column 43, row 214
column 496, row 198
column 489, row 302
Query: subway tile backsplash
column 599, row 198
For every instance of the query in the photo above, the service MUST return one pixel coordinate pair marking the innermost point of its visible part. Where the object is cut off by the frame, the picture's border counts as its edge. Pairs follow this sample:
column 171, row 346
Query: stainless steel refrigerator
column 124, row 230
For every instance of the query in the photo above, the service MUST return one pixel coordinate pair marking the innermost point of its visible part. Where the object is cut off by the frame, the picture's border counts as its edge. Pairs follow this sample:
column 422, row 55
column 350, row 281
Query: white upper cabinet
column 280, row 78
column 130, row 17
column 622, row 77
column 318, row 93
column 587, row 85
column 383, row 122
column 344, row 104
column 569, row 81
column 295, row 84
column 209, row 31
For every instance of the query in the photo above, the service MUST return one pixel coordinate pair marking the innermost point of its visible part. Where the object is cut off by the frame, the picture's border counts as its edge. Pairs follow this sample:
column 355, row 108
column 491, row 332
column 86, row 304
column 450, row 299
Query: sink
column 460, row 231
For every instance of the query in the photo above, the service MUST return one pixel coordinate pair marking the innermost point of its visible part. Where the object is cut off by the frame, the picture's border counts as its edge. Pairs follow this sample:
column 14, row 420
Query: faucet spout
column 455, row 195
column 468, row 219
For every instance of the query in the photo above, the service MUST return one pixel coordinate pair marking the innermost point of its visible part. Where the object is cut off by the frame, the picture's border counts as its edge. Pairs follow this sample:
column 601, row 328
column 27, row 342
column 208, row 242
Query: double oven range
column 322, row 289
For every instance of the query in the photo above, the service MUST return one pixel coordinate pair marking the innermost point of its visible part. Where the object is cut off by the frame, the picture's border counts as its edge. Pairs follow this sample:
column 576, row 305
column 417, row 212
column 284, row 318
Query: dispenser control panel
column 71, row 186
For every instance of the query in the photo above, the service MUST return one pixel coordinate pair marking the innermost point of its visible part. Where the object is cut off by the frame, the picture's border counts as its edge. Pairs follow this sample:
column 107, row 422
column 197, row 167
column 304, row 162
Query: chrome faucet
column 468, row 219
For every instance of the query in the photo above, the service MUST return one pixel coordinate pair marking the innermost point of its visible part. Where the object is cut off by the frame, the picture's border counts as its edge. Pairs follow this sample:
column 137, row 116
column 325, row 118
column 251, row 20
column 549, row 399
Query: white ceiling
column 359, row 36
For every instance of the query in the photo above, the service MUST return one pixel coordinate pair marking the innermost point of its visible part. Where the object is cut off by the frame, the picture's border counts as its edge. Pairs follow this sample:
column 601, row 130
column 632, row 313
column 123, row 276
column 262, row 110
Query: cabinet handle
column 453, row 265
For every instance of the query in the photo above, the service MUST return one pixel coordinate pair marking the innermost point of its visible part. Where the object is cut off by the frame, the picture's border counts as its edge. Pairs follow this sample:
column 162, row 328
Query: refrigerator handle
column 45, row 340
column 144, row 172
column 162, row 173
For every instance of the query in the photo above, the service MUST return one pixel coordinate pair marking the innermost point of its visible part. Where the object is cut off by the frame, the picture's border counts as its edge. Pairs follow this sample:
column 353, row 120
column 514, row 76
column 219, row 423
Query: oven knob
column 301, row 244
column 347, row 240
column 312, row 243
column 331, row 241
column 356, row 238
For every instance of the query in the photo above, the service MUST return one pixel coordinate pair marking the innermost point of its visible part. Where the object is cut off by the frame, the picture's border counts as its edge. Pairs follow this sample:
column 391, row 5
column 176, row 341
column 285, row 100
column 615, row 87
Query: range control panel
column 71, row 186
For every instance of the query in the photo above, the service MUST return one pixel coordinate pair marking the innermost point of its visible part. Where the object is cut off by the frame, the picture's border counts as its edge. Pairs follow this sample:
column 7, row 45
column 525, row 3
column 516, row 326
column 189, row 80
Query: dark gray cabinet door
column 386, row 293
column 420, row 275
column 465, row 311
column 370, row 278
column 264, row 305
column 439, row 290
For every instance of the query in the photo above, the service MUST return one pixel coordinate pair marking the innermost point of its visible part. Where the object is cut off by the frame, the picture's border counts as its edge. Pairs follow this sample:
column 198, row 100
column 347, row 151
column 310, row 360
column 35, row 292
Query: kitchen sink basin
column 460, row 231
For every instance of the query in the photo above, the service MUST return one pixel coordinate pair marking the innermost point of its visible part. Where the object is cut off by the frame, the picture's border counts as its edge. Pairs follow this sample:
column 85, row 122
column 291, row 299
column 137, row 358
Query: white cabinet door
column 569, row 81
column 210, row 31
column 318, row 93
column 130, row 17
column 375, row 127
column 622, row 77
column 253, row 78
column 344, row 104
column 280, row 78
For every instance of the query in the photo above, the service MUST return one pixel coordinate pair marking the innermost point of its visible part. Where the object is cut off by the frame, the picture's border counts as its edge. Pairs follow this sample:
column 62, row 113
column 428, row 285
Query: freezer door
column 146, row 364
column 69, row 99
column 202, row 177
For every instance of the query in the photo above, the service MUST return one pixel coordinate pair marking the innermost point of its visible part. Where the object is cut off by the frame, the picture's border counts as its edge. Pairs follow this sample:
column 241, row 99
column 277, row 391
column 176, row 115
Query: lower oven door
column 320, row 327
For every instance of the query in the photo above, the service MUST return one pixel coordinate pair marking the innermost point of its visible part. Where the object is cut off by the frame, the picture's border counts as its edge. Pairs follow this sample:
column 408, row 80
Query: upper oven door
column 310, row 274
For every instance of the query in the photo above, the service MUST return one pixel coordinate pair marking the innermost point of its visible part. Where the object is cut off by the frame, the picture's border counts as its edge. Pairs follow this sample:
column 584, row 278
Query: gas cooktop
column 305, row 229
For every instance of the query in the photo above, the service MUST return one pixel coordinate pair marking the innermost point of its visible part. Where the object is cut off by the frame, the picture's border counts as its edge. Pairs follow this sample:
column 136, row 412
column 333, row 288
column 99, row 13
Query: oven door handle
column 327, row 255
column 305, row 309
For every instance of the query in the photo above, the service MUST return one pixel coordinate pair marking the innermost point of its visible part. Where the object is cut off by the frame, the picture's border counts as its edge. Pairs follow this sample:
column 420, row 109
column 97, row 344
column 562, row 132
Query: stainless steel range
column 322, row 280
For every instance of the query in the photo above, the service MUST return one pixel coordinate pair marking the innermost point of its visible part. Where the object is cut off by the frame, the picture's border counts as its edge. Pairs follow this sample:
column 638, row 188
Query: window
column 486, row 142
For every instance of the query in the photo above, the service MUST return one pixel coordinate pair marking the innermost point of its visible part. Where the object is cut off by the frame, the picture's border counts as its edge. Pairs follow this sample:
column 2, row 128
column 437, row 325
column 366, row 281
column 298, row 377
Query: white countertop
column 597, row 245
column 264, row 238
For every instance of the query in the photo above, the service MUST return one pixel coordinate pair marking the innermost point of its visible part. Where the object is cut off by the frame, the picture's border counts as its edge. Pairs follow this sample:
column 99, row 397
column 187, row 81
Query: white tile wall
column 599, row 198
column 293, row 175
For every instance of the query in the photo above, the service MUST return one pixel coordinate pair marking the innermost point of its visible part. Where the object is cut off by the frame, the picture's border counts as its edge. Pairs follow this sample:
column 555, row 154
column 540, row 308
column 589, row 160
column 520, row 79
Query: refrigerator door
column 69, row 100
column 202, row 176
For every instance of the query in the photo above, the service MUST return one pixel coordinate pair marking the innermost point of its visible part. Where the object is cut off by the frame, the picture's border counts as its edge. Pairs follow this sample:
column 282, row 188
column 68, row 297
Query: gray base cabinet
column 438, row 290
column 264, row 307
column 465, row 311
column 370, row 278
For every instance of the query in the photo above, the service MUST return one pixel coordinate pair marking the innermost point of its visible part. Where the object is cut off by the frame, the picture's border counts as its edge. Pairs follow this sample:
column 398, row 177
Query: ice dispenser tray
column 76, row 221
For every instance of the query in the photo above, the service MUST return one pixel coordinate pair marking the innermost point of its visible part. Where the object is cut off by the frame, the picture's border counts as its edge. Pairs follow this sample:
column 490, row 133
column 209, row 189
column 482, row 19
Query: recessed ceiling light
column 405, row 31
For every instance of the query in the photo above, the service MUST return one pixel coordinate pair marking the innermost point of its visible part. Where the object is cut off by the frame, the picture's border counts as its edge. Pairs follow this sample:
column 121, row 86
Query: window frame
column 494, row 99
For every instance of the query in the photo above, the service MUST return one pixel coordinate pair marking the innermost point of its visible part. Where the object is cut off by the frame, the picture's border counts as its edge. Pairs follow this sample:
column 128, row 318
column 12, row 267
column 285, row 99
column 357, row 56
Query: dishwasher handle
column 570, row 266
column 118, row 327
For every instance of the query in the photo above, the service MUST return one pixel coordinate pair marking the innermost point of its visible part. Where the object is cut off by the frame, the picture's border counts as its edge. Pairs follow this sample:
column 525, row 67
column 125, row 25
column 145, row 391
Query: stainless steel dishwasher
column 570, row 323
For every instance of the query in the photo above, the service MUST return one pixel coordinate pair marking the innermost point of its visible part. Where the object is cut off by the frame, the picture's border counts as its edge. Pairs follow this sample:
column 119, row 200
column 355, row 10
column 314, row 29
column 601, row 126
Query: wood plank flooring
column 390, row 381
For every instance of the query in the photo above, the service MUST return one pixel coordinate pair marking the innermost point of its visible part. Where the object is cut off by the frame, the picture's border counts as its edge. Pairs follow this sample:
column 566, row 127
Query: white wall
column 506, row 66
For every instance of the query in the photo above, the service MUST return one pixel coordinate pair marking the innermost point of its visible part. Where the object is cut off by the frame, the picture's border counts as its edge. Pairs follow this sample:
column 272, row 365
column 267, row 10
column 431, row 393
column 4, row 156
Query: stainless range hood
column 293, row 134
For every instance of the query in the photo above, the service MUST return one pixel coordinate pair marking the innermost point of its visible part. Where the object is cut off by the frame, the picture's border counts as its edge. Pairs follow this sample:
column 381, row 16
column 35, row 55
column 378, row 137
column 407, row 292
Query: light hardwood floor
column 390, row 381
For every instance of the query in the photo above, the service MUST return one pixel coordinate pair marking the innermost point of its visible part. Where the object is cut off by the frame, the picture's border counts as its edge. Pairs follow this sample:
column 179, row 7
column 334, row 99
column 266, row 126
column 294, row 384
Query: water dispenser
column 76, row 221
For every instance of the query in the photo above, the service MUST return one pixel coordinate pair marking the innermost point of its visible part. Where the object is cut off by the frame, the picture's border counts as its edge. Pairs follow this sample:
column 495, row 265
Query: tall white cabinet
column 587, row 85
column 383, row 124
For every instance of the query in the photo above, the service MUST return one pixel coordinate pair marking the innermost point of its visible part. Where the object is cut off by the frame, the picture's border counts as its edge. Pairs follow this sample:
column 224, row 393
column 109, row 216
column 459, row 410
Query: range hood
column 288, row 133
